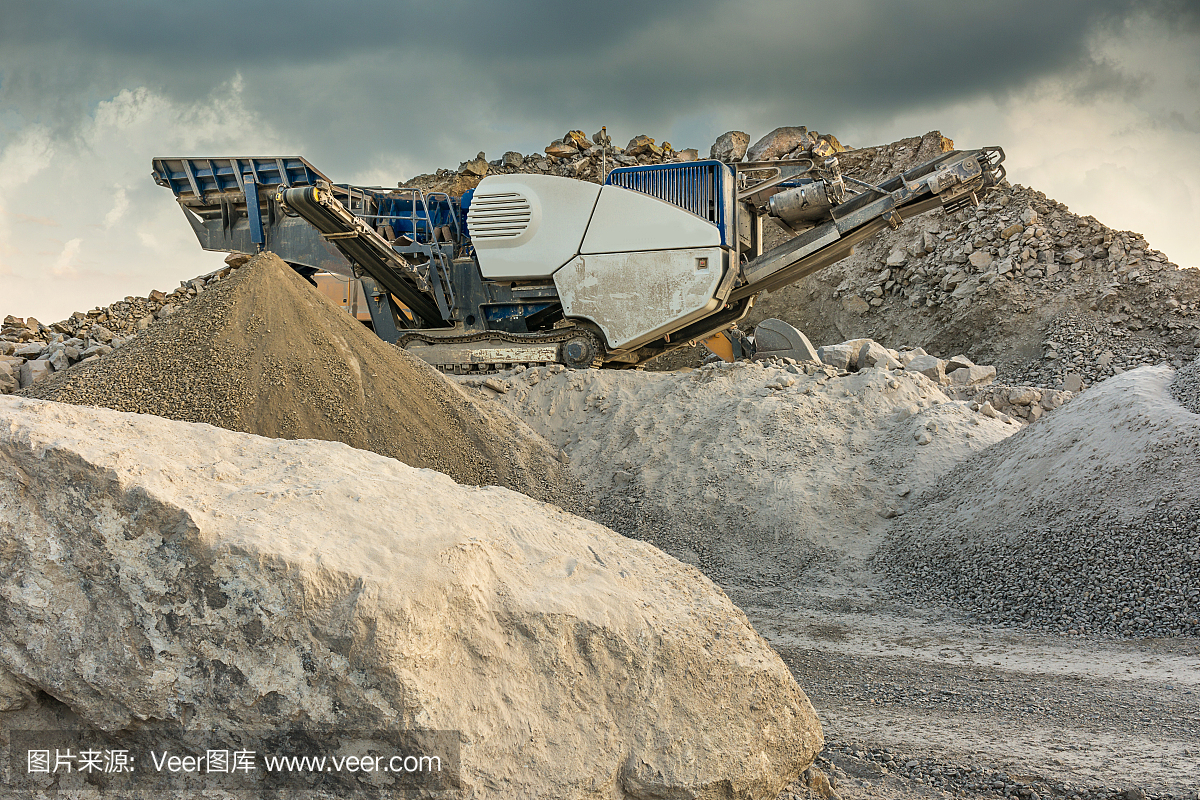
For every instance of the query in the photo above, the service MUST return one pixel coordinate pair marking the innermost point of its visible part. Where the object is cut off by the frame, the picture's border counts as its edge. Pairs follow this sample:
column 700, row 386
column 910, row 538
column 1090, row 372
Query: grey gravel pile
column 1087, row 522
column 1080, row 576
column 1186, row 387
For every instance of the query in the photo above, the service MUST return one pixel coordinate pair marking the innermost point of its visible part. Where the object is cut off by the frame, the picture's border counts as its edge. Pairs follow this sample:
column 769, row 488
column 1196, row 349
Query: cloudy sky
column 1096, row 102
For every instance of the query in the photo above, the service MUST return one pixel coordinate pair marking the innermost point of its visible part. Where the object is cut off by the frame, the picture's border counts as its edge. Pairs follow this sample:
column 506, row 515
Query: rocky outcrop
column 249, row 583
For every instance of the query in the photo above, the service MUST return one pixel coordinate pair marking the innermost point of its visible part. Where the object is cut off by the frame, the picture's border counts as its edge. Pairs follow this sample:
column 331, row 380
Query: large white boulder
column 181, row 573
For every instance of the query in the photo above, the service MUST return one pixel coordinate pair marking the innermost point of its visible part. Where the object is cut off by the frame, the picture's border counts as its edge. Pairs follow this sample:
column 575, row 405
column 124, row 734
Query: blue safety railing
column 415, row 214
column 704, row 188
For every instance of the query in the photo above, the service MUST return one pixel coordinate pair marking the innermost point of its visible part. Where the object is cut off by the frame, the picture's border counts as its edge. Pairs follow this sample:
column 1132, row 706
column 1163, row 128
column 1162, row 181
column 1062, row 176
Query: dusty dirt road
column 915, row 701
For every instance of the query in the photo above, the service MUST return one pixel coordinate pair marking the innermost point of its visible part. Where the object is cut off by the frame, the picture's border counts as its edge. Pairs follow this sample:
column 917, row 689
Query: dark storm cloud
column 438, row 75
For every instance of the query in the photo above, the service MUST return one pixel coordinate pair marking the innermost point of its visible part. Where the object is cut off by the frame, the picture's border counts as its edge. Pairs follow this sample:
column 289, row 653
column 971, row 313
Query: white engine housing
column 625, row 220
column 527, row 226
column 635, row 265
column 636, row 297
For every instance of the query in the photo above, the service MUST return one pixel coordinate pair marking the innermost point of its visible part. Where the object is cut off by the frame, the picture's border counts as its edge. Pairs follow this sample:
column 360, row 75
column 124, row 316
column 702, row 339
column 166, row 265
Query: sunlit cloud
column 119, row 233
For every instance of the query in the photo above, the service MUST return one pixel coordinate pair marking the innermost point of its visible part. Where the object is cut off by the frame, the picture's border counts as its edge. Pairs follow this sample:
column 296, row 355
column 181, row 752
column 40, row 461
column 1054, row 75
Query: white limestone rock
column 260, row 584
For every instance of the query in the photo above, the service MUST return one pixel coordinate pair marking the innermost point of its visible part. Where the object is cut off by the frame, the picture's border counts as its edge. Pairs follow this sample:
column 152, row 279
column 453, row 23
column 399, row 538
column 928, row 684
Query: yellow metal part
column 719, row 345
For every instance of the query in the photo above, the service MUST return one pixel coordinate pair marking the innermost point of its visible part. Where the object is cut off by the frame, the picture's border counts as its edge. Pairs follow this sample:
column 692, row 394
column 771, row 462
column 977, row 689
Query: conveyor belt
column 365, row 248
column 950, row 181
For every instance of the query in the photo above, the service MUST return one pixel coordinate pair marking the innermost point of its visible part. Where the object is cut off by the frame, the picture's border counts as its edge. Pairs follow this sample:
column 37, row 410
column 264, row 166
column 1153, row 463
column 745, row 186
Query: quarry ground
column 915, row 685
column 913, row 696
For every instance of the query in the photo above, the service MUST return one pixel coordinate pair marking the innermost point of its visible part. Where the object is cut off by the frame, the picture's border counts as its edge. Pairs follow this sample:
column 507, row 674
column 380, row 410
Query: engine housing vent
column 499, row 215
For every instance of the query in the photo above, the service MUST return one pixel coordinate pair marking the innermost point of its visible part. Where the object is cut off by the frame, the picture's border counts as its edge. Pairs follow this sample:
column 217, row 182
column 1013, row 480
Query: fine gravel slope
column 263, row 352
column 1186, row 387
column 1085, row 522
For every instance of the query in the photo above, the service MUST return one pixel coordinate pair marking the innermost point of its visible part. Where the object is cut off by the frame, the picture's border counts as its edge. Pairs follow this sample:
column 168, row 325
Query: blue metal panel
column 704, row 188
column 202, row 176
column 511, row 311
column 253, row 211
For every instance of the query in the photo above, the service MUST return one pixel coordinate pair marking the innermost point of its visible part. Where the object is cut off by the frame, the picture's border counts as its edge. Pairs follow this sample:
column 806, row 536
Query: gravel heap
column 1086, row 523
column 260, row 351
column 1186, row 387
column 83, row 337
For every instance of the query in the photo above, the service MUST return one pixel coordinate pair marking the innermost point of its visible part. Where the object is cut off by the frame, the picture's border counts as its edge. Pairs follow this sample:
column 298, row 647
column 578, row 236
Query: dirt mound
column 1088, row 521
column 754, row 472
column 262, row 352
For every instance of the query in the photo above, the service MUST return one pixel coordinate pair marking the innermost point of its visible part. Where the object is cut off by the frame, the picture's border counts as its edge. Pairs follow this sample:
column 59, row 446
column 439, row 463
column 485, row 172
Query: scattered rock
column 873, row 354
column 642, row 145
column 477, row 166
column 1024, row 397
column 730, row 147
column 1072, row 383
column 579, row 139
column 970, row 376
column 34, row 371
column 958, row 362
column 929, row 366
column 838, row 355
column 10, row 377
column 561, row 149
column 778, row 143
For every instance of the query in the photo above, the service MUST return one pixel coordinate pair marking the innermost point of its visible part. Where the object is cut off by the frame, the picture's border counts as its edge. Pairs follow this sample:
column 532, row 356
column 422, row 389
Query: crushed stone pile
column 309, row 590
column 591, row 158
column 1051, row 298
column 260, row 351
column 958, row 376
column 756, row 472
column 1186, row 387
column 1088, row 522
column 31, row 351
